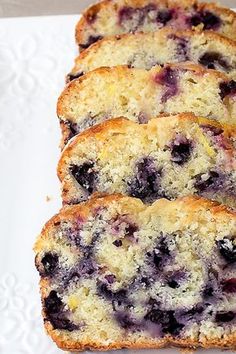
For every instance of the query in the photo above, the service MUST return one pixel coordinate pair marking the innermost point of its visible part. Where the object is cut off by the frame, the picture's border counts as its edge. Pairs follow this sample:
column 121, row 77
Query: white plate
column 35, row 55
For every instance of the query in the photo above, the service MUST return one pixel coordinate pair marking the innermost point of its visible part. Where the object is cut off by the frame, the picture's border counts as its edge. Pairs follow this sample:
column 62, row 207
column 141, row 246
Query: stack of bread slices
column 143, row 252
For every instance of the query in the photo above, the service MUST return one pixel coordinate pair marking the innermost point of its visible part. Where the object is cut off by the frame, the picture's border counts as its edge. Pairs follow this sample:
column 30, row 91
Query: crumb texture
column 167, row 158
column 140, row 95
column 116, row 273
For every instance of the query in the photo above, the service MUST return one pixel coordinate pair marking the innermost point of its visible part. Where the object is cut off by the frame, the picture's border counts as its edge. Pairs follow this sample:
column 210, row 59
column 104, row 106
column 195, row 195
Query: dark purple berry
column 52, row 303
column 229, row 285
column 59, row 321
column 50, row 263
column 110, row 278
column 130, row 229
column 212, row 182
column 73, row 129
column 104, row 291
column 146, row 184
column 173, row 284
column 160, row 254
column 224, row 316
column 71, row 77
column 117, row 243
column 164, row 16
column 169, row 78
column 207, row 18
column 166, row 319
column 181, row 149
column 182, row 48
column 124, row 320
column 92, row 39
column 85, row 175
column 213, row 60
column 227, row 88
column 227, row 250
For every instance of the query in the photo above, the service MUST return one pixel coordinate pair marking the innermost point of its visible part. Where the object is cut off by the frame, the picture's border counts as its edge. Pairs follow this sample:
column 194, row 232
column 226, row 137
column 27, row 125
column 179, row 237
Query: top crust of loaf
column 113, row 6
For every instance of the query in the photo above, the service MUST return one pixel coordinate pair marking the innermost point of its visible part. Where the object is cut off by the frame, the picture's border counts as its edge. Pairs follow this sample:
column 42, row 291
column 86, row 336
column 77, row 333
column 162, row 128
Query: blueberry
column 71, row 77
column 181, row 149
column 212, row 60
column 161, row 253
column 166, row 319
column 92, row 39
column 73, row 129
column 209, row 20
column 59, row 321
column 212, row 182
column 53, row 303
column 117, row 243
column 110, row 278
column 164, row 16
column 227, row 88
column 146, row 184
column 227, row 250
column 173, row 284
column 169, row 78
column 130, row 229
column 229, row 285
column 50, row 263
column 119, row 295
column 182, row 49
column 193, row 312
column 124, row 320
column 224, row 316
column 85, row 175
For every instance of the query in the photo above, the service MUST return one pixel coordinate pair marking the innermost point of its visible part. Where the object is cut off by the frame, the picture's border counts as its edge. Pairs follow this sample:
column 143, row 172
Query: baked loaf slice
column 116, row 273
column 140, row 94
column 123, row 16
column 168, row 157
column 144, row 50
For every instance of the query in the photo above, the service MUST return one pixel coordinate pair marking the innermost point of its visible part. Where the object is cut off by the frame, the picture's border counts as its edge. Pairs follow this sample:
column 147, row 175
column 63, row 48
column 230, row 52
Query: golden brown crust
column 95, row 9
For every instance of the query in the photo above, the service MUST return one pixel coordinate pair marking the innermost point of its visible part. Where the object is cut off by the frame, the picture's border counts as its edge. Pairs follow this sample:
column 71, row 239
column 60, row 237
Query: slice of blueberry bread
column 140, row 94
column 145, row 50
column 124, row 16
column 116, row 273
column 168, row 157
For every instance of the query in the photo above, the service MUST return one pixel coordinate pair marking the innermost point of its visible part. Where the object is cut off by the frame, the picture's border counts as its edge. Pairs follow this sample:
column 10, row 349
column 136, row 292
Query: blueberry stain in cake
column 164, row 16
column 229, row 285
column 92, row 39
column 55, row 313
column 50, row 263
column 161, row 254
column 213, row 60
column 181, row 149
column 182, row 47
column 209, row 20
column 227, row 250
column 146, row 182
column 135, row 17
column 168, row 77
column 166, row 320
column 73, row 129
column 227, row 89
column 224, row 317
column 85, row 175
column 175, row 279
column 124, row 320
column 118, row 296
column 212, row 181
